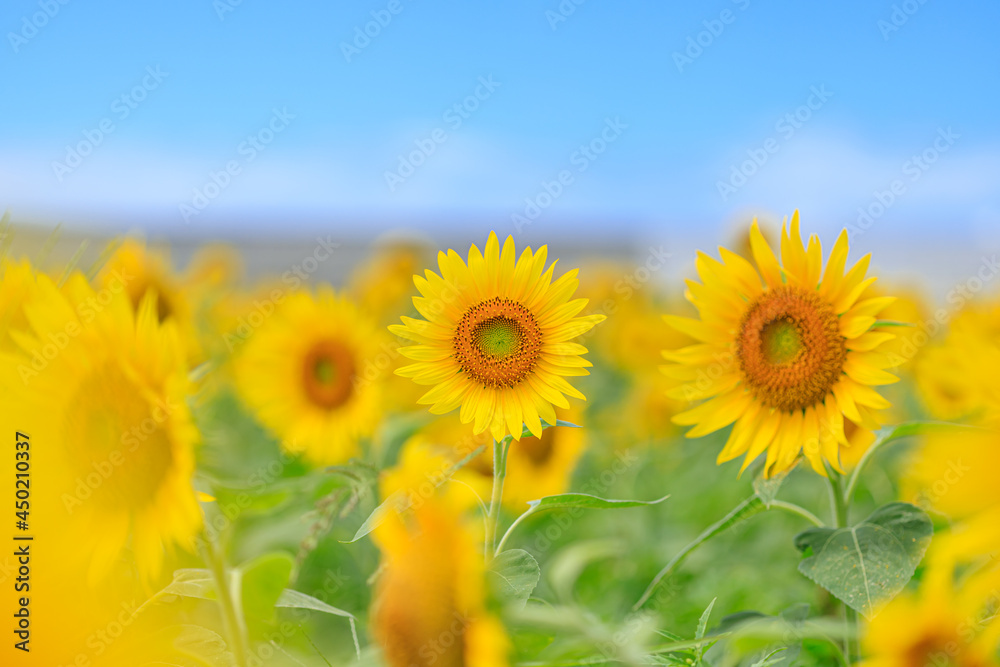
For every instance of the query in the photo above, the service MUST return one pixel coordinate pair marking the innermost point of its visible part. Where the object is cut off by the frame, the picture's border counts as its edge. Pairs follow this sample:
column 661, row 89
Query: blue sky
column 671, row 97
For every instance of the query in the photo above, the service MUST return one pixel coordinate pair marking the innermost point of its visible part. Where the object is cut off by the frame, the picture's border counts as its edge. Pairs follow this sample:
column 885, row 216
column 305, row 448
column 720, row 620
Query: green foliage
column 866, row 565
column 513, row 576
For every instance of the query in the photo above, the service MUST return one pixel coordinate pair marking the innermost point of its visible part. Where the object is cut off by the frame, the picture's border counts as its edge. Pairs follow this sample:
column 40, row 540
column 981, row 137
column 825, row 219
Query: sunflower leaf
column 587, row 501
column 866, row 565
column 262, row 581
column 514, row 575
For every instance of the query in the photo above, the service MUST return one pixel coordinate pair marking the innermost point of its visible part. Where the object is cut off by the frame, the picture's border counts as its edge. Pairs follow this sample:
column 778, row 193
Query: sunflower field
column 478, row 457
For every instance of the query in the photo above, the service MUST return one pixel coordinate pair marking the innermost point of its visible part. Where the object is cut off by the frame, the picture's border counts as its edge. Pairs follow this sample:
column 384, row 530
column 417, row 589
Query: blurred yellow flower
column 143, row 271
column 431, row 599
column 787, row 359
column 957, row 377
column 497, row 338
column 944, row 623
column 108, row 387
column 16, row 282
column 301, row 373
column 383, row 283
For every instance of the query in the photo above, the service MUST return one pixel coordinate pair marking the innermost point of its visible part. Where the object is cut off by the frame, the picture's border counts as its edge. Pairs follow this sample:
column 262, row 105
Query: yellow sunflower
column 306, row 372
column 956, row 377
column 431, row 599
column 497, row 338
column 16, row 282
column 788, row 351
column 944, row 623
column 139, row 271
column 106, row 388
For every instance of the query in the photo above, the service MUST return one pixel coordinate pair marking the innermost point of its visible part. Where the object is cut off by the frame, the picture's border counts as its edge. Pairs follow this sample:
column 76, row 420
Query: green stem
column 231, row 618
column 841, row 511
column 499, row 474
column 797, row 509
column 517, row 521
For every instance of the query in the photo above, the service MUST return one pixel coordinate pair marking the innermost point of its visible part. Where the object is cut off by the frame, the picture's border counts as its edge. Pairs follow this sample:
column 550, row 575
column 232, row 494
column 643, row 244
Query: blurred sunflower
column 108, row 386
column 431, row 598
column 384, row 282
column 953, row 472
column 944, row 623
column 788, row 358
column 956, row 378
column 305, row 374
column 497, row 338
column 140, row 271
column 16, row 282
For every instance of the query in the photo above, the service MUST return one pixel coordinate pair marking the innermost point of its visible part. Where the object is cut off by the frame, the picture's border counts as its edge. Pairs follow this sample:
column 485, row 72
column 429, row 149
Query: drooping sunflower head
column 310, row 372
column 497, row 337
column 107, row 389
column 787, row 350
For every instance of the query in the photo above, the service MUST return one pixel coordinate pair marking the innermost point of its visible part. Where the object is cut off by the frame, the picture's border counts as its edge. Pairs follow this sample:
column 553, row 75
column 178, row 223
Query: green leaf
column 587, row 501
column 514, row 575
column 293, row 599
column 262, row 581
column 891, row 323
column 866, row 565
column 769, row 659
column 702, row 626
column 192, row 583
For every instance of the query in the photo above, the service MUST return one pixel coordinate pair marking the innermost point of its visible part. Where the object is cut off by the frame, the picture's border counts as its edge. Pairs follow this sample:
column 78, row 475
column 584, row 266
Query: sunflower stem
column 499, row 474
column 841, row 512
column 230, row 616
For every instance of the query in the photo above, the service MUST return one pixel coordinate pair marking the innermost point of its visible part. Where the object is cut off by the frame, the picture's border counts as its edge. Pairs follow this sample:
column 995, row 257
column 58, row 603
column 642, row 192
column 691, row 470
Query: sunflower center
column 117, row 439
column 328, row 374
column 781, row 341
column 497, row 342
column 790, row 348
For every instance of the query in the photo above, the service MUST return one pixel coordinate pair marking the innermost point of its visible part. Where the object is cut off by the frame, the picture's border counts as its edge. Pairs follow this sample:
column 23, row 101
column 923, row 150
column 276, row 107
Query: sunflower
column 788, row 351
column 16, row 282
column 309, row 374
column 943, row 623
column 142, row 271
column 384, row 282
column 106, row 388
column 956, row 377
column 431, row 598
column 497, row 338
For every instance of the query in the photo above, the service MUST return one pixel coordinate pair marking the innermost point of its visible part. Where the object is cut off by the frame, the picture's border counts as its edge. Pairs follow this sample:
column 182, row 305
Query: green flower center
column 781, row 341
column 498, row 337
